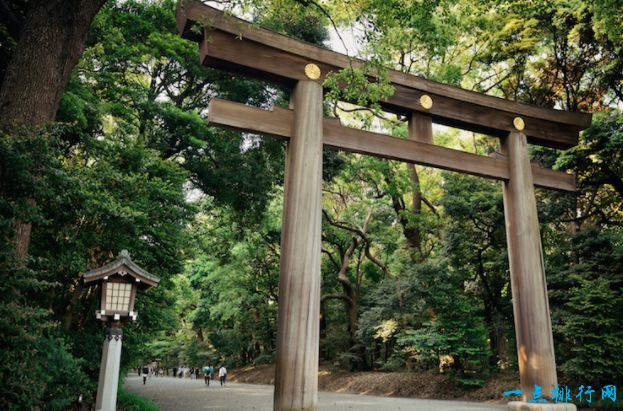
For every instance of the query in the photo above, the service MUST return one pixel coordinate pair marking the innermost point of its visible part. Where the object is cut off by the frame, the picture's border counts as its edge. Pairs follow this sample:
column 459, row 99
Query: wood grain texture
column 238, row 46
column 296, row 374
column 225, row 51
column 533, row 328
column 421, row 128
column 278, row 123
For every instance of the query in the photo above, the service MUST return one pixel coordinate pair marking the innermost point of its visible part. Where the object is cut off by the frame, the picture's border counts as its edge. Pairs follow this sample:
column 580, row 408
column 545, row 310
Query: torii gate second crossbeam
column 237, row 46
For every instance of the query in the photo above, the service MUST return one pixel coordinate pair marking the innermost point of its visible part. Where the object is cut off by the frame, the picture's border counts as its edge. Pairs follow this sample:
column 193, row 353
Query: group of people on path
column 181, row 372
column 208, row 373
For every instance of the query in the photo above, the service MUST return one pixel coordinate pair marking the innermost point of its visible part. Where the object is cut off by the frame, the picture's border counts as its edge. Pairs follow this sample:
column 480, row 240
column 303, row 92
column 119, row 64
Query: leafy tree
column 36, row 357
column 588, row 301
column 235, row 305
column 476, row 249
column 151, row 82
column 455, row 326
column 35, row 76
column 354, row 256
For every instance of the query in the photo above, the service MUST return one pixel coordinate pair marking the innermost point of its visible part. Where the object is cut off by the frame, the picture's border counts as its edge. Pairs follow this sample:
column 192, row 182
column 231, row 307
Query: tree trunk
column 493, row 335
column 501, row 347
column 50, row 43
column 409, row 230
column 349, row 291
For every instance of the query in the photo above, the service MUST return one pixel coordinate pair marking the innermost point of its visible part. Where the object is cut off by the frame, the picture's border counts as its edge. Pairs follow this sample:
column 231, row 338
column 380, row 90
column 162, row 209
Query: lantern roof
column 122, row 265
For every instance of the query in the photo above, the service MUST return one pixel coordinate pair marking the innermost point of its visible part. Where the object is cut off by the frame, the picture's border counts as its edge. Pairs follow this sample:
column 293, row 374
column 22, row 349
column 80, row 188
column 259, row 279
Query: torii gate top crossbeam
column 237, row 46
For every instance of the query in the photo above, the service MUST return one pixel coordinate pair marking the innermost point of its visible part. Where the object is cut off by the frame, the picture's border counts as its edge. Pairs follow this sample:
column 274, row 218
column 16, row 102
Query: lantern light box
column 119, row 281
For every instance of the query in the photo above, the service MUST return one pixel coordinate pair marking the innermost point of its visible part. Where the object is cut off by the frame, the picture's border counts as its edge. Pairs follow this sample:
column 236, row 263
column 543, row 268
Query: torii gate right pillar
column 533, row 327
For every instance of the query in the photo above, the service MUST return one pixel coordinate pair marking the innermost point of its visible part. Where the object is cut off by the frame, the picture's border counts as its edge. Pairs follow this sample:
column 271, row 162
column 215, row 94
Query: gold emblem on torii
column 312, row 71
column 426, row 101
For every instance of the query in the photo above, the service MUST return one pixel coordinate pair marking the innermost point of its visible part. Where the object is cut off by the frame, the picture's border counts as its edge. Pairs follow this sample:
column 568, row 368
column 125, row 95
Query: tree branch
column 331, row 258
column 336, row 297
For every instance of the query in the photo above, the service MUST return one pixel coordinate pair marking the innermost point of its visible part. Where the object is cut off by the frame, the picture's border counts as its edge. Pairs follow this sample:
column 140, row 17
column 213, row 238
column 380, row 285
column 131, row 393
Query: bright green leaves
column 229, row 291
column 598, row 161
column 608, row 20
column 356, row 86
column 537, row 52
column 151, row 87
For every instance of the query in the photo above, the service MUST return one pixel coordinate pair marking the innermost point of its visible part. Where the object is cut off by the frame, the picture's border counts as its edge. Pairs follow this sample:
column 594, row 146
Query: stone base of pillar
column 530, row 406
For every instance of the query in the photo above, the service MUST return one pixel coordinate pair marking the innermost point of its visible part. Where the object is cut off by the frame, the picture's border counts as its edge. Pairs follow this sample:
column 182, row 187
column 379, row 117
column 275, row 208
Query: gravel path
column 174, row 394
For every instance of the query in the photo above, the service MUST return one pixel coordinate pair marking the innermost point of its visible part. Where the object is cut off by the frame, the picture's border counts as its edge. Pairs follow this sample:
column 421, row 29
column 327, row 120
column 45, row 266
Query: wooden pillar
column 296, row 374
column 421, row 128
column 533, row 327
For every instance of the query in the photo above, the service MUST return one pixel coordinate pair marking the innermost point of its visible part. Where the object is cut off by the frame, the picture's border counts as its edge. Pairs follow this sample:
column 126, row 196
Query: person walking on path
column 207, row 374
column 145, row 374
column 222, row 373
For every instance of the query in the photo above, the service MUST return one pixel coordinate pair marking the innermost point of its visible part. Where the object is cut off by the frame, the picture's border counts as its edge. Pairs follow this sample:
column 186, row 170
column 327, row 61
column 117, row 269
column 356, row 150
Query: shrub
column 127, row 401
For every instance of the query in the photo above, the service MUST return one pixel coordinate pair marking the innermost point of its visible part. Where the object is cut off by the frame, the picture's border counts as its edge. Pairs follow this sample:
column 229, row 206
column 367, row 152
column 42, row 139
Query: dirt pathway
column 173, row 394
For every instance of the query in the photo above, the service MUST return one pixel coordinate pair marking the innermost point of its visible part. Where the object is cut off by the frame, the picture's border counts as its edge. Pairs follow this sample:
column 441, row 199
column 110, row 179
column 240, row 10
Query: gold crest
column 519, row 123
column 312, row 71
column 426, row 101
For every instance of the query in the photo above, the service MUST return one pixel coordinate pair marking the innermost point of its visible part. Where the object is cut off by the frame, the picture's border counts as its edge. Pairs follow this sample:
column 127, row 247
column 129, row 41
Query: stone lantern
column 119, row 281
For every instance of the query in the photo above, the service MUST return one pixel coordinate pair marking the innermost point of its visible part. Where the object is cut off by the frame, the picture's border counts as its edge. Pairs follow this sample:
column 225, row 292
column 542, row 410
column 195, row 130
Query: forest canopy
column 112, row 151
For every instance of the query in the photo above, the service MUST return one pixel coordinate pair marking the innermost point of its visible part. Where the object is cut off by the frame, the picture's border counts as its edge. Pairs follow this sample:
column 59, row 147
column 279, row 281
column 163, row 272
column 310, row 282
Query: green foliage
column 598, row 160
column 608, row 20
column 585, row 267
column 294, row 19
column 88, row 196
column 264, row 358
column 455, row 328
column 36, row 363
column 410, row 36
column 134, row 165
column 39, row 368
column 30, row 355
column 587, row 319
column 353, row 85
column 127, row 401
column 150, row 84
column 225, row 298
column 595, row 354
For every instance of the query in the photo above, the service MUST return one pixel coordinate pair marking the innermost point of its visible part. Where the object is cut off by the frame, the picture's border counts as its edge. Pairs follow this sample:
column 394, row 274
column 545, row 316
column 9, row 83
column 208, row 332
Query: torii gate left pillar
column 296, row 375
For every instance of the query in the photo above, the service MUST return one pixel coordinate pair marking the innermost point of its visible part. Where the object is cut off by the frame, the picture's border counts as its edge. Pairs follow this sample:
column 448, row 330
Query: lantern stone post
column 119, row 281
column 108, row 381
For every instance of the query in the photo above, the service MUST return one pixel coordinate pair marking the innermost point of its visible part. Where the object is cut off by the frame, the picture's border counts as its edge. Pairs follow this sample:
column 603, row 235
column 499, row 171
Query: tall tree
column 50, row 44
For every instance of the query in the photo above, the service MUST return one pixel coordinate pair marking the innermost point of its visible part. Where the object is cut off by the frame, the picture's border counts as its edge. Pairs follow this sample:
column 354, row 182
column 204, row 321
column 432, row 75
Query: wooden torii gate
column 237, row 46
